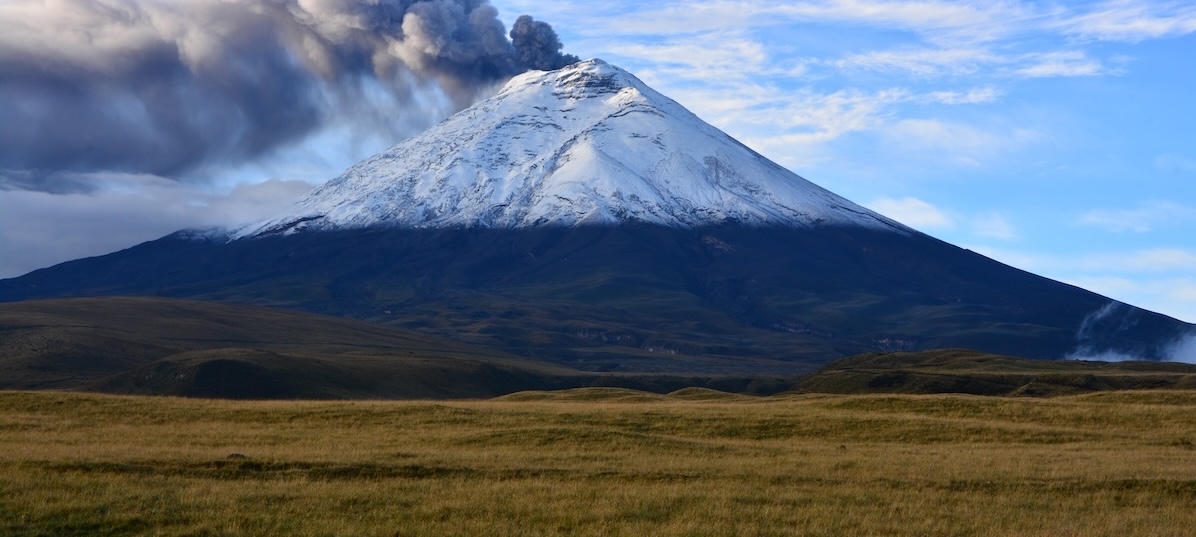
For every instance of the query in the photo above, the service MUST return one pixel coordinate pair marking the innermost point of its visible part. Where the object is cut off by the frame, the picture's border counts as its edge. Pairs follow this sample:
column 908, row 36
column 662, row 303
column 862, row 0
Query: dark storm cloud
column 168, row 86
column 44, row 181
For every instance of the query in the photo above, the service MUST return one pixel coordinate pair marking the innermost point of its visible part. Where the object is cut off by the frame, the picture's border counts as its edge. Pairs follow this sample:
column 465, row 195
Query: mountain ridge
column 618, row 283
column 588, row 144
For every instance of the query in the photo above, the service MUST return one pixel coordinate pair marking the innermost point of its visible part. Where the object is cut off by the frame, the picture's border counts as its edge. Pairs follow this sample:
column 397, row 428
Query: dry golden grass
column 600, row 462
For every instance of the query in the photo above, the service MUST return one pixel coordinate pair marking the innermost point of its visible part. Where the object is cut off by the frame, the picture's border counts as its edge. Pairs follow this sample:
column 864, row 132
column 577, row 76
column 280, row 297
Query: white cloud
column 1149, row 260
column 923, row 215
column 912, row 212
column 39, row 229
column 738, row 65
column 1175, row 297
column 1143, row 218
column 993, row 226
column 712, row 56
column 830, row 115
column 784, row 124
column 1133, row 21
column 986, row 39
column 923, row 62
column 973, row 96
column 1088, row 355
column 1157, row 279
column 961, row 143
column 936, row 20
column 977, row 63
column 1060, row 64
column 1165, row 261
column 1183, row 349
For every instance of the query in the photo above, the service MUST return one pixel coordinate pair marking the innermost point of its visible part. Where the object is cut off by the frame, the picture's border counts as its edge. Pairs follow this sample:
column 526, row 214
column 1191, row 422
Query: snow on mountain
column 586, row 144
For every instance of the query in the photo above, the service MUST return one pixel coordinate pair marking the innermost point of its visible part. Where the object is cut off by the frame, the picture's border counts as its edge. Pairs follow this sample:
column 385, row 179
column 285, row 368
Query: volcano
column 581, row 218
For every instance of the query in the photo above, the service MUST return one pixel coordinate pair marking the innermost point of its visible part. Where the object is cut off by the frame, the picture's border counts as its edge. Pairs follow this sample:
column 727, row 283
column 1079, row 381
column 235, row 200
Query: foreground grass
column 600, row 462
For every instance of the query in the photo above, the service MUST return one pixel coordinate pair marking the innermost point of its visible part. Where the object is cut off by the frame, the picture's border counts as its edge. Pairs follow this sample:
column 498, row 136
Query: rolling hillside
column 159, row 346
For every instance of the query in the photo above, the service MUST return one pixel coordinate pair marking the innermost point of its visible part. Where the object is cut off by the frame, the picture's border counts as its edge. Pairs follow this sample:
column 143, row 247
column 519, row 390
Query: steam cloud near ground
column 1183, row 349
column 1115, row 317
column 166, row 87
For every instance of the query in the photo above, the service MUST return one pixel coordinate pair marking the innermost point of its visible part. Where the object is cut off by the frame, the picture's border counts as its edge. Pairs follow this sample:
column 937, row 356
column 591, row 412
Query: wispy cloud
column 945, row 22
column 712, row 56
column 1133, row 21
column 873, row 93
column 994, row 226
column 965, row 144
column 1140, row 219
column 925, row 216
column 1160, row 260
column 781, row 123
column 975, row 63
column 921, row 62
column 1183, row 349
column 912, row 212
column 1060, row 64
column 736, row 64
column 993, row 39
column 961, row 21
column 128, row 210
column 972, row 96
column 935, row 20
column 1176, row 296
column 1158, row 279
column 1148, row 260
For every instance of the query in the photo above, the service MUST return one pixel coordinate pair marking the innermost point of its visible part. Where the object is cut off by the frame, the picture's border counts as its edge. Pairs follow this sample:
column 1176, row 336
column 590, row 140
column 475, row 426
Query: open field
column 601, row 462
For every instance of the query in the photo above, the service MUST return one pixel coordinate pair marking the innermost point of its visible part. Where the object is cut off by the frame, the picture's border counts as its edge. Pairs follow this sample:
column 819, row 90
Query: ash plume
column 167, row 87
column 537, row 45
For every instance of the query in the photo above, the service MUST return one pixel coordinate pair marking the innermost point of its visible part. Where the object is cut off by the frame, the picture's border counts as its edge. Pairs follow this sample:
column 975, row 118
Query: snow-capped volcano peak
column 585, row 144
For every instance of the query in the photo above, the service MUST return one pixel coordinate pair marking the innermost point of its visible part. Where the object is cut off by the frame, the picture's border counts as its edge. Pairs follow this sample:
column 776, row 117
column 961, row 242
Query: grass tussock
column 601, row 462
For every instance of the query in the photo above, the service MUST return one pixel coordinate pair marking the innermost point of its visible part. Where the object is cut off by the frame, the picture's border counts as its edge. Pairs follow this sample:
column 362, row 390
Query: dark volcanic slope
column 181, row 347
column 636, row 297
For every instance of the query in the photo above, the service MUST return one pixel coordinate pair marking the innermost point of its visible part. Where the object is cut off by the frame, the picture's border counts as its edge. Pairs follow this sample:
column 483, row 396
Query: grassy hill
column 972, row 372
column 144, row 345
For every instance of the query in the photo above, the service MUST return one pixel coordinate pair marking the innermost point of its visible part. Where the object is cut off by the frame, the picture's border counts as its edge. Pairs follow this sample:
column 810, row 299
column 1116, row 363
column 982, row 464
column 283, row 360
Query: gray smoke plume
column 167, row 87
column 537, row 45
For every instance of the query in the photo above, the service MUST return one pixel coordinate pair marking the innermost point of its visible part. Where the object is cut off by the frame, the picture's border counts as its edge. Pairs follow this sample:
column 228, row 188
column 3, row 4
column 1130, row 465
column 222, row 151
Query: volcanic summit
column 589, row 144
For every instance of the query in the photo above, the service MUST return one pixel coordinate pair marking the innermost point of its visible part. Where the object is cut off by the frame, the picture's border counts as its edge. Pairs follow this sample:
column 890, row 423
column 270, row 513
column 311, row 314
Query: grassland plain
column 600, row 462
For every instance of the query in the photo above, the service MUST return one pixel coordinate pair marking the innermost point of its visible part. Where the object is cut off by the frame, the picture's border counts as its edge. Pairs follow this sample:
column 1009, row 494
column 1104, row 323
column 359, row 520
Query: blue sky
column 1056, row 137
